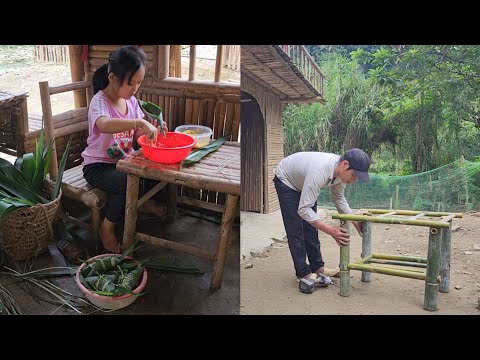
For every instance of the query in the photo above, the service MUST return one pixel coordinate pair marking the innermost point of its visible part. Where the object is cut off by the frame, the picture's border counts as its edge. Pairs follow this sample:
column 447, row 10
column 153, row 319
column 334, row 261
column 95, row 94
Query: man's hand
column 340, row 235
column 359, row 226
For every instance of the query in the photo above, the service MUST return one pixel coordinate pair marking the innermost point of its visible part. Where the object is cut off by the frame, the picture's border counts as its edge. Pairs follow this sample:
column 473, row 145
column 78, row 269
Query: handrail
column 305, row 63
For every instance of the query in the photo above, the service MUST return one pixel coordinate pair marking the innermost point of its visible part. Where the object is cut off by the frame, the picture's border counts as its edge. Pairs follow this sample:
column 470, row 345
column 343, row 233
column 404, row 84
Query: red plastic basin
column 171, row 149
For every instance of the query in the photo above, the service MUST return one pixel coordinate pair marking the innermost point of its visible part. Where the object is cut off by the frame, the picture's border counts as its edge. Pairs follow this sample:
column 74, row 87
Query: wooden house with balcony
column 271, row 76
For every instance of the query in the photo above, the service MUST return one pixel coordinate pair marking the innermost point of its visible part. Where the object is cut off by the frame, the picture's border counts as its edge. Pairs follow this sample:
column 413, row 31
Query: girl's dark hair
column 122, row 62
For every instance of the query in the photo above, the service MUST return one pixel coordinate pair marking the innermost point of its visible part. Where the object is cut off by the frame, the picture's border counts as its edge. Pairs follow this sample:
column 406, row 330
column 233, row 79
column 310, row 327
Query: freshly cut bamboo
column 433, row 270
column 395, row 262
column 412, row 212
column 344, row 264
column 445, row 254
column 376, row 219
column 366, row 247
column 385, row 271
column 389, row 266
column 399, row 258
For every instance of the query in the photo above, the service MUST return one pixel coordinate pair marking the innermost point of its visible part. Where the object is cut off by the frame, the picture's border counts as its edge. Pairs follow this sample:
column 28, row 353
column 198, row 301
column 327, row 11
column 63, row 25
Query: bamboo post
column 433, row 269
column 344, row 260
column 391, row 203
column 223, row 242
column 445, row 254
column 366, row 247
column 218, row 63
column 77, row 72
column 130, row 210
column 48, row 126
column 193, row 60
column 397, row 190
column 466, row 182
column 163, row 56
column 178, row 61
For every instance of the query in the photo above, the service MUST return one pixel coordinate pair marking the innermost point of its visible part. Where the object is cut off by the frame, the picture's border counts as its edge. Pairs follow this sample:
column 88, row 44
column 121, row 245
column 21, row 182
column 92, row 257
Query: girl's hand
column 165, row 127
column 151, row 130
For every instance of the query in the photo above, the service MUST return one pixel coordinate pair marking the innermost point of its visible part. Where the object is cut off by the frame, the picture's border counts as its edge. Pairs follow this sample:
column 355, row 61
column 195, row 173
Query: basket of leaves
column 111, row 281
column 28, row 202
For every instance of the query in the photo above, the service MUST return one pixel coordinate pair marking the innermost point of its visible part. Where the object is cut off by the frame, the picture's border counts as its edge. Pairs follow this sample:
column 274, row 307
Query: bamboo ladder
column 435, row 267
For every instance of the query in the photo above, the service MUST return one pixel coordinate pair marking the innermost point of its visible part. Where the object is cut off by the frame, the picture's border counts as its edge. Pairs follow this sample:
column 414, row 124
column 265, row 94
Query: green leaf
column 197, row 155
column 154, row 111
column 28, row 166
column 61, row 169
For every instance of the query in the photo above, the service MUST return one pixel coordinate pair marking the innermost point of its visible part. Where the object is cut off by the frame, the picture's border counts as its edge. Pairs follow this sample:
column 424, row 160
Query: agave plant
column 22, row 183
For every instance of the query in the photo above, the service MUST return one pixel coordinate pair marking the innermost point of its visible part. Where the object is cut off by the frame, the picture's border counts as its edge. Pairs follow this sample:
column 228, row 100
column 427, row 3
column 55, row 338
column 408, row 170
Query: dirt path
column 270, row 286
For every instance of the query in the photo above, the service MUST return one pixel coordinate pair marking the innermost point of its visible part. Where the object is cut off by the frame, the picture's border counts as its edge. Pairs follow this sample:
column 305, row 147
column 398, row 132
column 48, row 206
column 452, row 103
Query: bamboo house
column 272, row 76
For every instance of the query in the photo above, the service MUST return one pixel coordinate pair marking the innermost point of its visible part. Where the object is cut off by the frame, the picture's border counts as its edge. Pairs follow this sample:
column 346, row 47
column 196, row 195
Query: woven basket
column 26, row 232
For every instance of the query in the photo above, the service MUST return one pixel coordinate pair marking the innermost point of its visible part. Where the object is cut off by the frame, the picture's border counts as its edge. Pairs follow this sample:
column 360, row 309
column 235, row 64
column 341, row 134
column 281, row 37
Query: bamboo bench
column 60, row 127
column 436, row 266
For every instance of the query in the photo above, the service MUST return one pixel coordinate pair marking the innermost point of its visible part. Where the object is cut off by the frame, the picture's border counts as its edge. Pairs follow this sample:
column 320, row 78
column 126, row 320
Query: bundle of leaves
column 23, row 184
column 112, row 275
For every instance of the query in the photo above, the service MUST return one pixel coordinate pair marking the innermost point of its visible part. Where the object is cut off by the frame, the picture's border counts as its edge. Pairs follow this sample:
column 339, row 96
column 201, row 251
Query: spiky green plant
column 22, row 184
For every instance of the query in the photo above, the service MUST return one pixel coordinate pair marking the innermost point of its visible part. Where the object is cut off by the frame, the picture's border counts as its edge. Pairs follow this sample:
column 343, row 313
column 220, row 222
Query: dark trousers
column 302, row 237
column 104, row 176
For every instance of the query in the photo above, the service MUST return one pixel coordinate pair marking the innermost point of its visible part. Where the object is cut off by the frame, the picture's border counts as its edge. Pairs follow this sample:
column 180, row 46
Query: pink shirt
column 108, row 148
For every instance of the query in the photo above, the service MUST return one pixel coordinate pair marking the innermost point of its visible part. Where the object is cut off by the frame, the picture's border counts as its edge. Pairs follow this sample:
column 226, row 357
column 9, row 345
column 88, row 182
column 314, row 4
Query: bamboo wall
column 231, row 57
column 252, row 154
column 274, row 139
column 209, row 103
column 52, row 53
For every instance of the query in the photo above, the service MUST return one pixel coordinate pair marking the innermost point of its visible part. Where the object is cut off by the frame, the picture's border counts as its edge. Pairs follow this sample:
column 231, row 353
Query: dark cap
column 359, row 161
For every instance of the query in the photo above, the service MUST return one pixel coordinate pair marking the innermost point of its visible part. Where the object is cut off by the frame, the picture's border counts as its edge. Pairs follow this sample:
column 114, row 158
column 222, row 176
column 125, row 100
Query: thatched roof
column 274, row 69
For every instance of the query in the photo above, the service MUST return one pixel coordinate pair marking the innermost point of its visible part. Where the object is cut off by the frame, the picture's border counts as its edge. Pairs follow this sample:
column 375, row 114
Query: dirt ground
column 269, row 285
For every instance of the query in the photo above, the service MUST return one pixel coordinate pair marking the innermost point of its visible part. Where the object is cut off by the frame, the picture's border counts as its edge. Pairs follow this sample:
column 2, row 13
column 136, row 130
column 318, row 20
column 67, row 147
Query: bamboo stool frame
column 435, row 269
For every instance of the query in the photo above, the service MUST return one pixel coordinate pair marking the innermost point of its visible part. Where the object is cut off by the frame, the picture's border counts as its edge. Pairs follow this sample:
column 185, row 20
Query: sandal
column 320, row 281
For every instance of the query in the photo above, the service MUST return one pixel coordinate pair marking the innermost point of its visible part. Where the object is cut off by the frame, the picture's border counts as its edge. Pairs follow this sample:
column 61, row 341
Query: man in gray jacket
column 298, row 181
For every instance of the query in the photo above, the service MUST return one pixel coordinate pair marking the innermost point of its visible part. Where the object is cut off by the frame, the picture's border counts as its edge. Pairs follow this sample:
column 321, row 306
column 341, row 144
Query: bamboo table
column 218, row 171
column 436, row 265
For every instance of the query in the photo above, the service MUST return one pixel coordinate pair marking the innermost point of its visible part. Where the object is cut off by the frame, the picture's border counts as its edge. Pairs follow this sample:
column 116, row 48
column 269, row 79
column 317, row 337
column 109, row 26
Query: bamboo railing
column 306, row 65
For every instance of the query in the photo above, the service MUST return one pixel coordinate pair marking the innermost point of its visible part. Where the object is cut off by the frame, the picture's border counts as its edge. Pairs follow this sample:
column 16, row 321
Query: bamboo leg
column 366, row 247
column 224, row 242
column 344, row 260
column 130, row 210
column 433, row 269
column 445, row 254
column 171, row 202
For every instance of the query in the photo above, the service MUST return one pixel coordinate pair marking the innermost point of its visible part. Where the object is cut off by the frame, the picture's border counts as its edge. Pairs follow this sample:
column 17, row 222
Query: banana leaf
column 101, row 265
column 154, row 111
column 198, row 154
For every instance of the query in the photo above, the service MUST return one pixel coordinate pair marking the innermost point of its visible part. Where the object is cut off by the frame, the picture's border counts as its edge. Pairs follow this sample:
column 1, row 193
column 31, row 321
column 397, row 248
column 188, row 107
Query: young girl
column 114, row 120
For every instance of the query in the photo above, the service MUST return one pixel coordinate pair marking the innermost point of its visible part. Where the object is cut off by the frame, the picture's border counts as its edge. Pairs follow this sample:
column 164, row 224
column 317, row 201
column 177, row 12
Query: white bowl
column 202, row 133
column 110, row 302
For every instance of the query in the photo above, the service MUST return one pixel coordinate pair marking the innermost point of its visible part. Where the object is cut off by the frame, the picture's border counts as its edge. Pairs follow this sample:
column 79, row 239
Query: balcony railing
column 306, row 65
